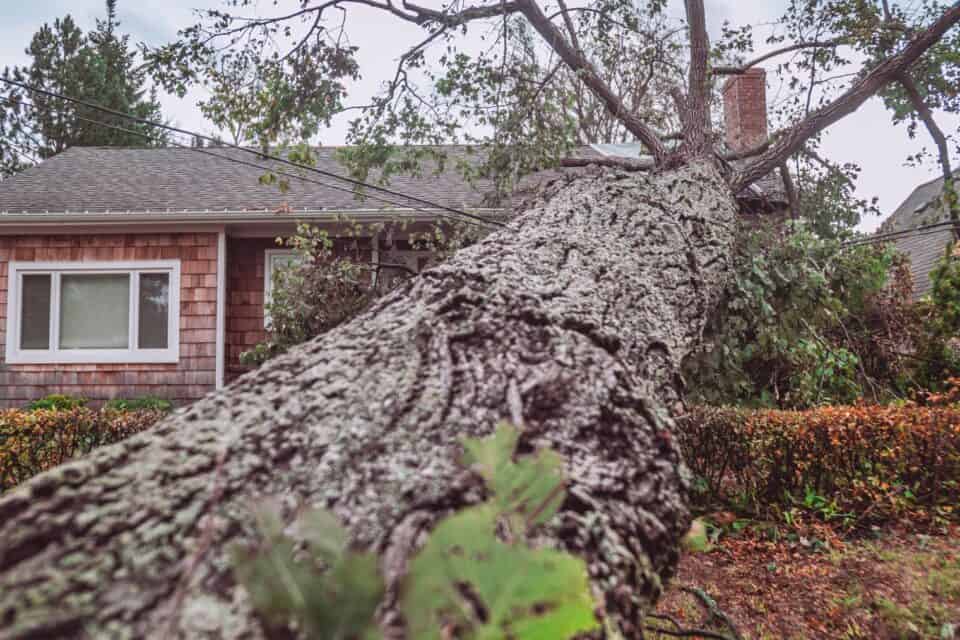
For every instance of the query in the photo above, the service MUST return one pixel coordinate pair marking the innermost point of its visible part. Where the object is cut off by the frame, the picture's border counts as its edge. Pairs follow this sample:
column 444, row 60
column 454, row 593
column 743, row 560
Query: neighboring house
column 133, row 272
column 923, row 207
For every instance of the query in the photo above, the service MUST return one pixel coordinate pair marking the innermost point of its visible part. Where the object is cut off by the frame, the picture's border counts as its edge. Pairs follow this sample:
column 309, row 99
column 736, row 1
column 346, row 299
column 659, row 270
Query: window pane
column 154, row 310
column 35, row 314
column 279, row 264
column 94, row 311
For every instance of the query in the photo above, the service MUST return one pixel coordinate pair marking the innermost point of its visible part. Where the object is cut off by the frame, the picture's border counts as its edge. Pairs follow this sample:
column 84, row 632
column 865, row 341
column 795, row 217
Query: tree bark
column 573, row 321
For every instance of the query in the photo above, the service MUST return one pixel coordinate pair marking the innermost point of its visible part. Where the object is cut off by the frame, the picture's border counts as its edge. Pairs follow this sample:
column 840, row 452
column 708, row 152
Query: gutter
column 228, row 217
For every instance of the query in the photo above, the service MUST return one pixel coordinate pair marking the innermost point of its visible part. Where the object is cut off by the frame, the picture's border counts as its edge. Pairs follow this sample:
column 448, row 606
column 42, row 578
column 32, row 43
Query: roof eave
column 228, row 217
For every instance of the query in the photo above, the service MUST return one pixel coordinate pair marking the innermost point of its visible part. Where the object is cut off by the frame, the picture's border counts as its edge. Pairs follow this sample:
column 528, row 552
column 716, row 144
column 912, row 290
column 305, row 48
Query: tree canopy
column 529, row 82
column 100, row 67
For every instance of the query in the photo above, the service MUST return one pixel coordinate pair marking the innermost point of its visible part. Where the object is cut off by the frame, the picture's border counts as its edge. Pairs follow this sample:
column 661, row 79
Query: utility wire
column 899, row 235
column 254, row 152
column 249, row 164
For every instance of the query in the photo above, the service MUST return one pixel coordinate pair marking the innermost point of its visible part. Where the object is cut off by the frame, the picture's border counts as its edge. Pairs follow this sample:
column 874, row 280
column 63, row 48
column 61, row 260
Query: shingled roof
column 117, row 180
column 921, row 208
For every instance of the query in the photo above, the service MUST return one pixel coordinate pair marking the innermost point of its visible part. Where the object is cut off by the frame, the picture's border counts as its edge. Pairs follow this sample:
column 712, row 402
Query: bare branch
column 737, row 70
column 859, row 92
column 588, row 73
column 943, row 149
column 791, row 191
column 569, row 24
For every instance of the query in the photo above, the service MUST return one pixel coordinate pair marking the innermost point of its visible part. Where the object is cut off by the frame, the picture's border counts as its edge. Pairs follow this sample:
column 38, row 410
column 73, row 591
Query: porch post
column 221, row 307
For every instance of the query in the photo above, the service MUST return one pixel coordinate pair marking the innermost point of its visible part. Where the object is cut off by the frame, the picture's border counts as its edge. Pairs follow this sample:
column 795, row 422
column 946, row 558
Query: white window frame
column 133, row 354
column 268, row 258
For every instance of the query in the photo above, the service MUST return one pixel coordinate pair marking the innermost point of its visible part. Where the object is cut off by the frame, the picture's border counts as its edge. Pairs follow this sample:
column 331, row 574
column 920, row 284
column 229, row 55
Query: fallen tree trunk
column 573, row 322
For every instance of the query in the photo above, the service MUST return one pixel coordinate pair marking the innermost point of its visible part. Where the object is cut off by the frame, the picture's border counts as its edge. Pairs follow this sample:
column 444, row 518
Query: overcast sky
column 866, row 137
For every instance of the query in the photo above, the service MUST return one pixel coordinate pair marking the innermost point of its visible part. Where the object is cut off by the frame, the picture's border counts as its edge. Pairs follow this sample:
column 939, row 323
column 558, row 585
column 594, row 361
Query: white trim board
column 54, row 355
column 221, row 333
column 268, row 257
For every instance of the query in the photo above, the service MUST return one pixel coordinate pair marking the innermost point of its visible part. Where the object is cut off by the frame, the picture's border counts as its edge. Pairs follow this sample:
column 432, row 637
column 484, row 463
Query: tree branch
column 569, row 24
column 733, row 70
column 588, row 73
column 943, row 149
column 791, row 191
column 695, row 114
column 859, row 92
column 613, row 163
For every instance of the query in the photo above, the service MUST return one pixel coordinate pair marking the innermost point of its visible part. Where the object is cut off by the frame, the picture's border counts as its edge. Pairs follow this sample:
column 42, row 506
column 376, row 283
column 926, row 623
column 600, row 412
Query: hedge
column 859, row 463
column 34, row 441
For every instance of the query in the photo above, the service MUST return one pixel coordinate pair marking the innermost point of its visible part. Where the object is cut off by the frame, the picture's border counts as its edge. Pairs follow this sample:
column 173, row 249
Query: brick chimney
column 745, row 109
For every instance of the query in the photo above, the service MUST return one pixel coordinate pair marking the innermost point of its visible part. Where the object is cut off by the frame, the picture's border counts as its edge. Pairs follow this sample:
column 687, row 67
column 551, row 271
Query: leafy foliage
column 332, row 592
column 331, row 280
column 804, row 322
column 145, row 403
column 852, row 464
column 98, row 67
column 58, row 402
column 467, row 581
column 36, row 440
column 938, row 352
column 314, row 293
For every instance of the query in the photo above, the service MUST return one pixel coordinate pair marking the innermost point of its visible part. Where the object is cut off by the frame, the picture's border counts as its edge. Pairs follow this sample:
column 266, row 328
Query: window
column 274, row 259
column 93, row 312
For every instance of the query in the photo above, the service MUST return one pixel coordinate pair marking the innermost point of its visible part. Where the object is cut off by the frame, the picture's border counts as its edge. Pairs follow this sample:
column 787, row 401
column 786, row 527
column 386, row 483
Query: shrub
column 806, row 321
column 856, row 463
column 34, row 441
column 58, row 402
column 146, row 403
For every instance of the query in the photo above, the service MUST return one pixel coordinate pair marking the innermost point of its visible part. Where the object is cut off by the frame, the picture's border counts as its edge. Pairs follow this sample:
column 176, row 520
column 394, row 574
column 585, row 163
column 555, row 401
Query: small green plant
column 57, row 402
column 477, row 577
column 330, row 591
column 146, row 403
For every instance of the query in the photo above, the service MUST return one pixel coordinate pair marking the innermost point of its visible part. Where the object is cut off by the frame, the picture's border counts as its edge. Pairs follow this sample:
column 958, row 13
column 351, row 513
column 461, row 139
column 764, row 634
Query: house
column 922, row 208
column 132, row 272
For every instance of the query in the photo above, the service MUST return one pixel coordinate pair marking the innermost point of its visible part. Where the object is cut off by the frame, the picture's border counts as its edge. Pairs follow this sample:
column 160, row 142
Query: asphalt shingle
column 111, row 179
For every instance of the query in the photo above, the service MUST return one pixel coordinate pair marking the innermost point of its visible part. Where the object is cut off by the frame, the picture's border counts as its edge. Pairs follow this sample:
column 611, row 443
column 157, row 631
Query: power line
column 246, row 163
column 899, row 235
column 258, row 154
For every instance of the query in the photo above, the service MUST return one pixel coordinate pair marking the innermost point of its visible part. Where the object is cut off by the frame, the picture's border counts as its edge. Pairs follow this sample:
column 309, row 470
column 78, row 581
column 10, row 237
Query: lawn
column 891, row 585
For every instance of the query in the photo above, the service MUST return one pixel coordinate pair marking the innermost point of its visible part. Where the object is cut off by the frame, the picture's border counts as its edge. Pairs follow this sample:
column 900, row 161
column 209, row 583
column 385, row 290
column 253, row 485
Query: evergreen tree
column 99, row 67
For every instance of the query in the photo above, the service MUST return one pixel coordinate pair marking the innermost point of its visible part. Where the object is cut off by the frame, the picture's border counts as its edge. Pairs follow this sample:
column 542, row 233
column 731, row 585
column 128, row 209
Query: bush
column 57, row 402
column 858, row 464
column 34, row 441
column 146, row 403
column 805, row 321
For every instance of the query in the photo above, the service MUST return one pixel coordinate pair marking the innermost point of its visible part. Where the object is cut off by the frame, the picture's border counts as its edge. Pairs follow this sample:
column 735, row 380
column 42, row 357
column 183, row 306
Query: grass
column 900, row 586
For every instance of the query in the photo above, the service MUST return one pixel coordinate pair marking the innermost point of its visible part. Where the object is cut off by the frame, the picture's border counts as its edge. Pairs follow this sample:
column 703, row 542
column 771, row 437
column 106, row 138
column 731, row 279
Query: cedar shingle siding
column 185, row 381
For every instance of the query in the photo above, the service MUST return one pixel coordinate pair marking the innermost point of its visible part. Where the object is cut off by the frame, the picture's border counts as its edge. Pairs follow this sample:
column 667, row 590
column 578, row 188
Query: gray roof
column 98, row 179
column 922, row 207
column 112, row 179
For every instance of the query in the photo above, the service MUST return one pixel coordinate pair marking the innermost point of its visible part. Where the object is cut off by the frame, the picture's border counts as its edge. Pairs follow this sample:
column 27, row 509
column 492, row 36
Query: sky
column 867, row 137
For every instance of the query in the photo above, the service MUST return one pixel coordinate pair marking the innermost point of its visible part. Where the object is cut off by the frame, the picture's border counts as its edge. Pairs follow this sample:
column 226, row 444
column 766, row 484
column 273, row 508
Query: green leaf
column 528, row 492
column 697, row 540
column 330, row 592
column 466, row 579
column 469, row 581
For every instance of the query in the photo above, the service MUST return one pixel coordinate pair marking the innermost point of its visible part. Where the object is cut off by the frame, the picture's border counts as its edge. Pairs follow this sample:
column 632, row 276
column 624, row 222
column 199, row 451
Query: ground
column 889, row 585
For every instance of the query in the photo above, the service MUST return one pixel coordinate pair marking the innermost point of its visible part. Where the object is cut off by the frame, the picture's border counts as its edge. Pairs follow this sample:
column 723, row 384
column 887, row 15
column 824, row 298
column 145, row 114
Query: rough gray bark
column 573, row 321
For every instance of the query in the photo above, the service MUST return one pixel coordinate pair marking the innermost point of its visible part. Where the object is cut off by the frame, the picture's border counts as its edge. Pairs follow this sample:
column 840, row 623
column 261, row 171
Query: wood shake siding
column 187, row 380
column 245, row 281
